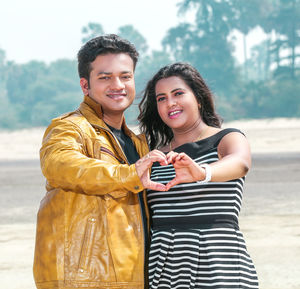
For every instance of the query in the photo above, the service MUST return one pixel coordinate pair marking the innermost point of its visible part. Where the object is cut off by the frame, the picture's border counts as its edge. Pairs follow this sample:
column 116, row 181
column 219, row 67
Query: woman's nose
column 171, row 101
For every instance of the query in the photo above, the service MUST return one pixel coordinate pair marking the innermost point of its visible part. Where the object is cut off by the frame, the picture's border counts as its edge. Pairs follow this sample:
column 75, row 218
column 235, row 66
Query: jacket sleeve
column 65, row 164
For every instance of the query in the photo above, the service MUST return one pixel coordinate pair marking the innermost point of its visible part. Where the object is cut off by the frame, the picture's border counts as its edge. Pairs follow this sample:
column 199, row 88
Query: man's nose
column 117, row 83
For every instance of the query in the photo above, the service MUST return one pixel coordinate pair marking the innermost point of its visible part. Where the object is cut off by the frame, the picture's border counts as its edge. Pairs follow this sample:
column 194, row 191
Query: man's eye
column 104, row 77
column 126, row 77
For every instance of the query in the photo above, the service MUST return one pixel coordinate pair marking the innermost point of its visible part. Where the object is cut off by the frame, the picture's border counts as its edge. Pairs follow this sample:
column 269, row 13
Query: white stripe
column 194, row 203
column 200, row 231
column 199, row 283
column 205, row 272
column 197, row 266
column 184, row 192
column 195, row 209
column 198, row 214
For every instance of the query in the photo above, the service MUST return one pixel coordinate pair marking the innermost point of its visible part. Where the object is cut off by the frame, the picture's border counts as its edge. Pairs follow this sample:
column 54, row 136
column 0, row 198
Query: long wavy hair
column 157, row 132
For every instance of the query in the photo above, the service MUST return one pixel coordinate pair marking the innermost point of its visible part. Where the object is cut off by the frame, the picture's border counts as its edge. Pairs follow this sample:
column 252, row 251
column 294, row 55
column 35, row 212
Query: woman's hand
column 143, row 165
column 186, row 169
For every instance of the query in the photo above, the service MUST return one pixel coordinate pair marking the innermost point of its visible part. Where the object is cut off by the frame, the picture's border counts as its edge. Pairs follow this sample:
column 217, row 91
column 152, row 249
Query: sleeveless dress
column 196, row 241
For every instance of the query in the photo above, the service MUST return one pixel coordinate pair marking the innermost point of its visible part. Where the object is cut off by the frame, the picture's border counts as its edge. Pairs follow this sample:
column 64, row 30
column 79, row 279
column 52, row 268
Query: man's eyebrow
column 110, row 73
column 104, row 72
column 126, row 72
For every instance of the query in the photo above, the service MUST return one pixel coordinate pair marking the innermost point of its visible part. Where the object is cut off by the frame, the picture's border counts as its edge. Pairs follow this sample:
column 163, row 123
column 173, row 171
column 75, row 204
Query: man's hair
column 102, row 45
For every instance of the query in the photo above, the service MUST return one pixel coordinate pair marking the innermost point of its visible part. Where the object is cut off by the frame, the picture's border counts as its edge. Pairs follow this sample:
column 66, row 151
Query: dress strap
column 224, row 132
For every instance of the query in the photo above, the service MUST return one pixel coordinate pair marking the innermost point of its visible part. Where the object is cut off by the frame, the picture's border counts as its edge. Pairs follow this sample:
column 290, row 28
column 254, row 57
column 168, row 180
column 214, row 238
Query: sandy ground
column 270, row 218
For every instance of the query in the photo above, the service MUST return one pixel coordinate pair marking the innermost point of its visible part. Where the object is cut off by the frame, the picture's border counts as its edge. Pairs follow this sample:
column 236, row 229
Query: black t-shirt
column 126, row 144
column 132, row 156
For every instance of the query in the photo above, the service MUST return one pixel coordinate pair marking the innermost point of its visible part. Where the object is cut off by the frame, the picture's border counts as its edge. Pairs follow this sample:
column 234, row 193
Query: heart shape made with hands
column 186, row 169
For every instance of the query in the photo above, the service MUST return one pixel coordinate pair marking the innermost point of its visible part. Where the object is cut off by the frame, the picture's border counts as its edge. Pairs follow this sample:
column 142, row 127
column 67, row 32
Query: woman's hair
column 157, row 132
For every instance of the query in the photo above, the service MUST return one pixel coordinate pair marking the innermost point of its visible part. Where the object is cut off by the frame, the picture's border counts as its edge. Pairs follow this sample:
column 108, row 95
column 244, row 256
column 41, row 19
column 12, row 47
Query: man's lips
column 116, row 95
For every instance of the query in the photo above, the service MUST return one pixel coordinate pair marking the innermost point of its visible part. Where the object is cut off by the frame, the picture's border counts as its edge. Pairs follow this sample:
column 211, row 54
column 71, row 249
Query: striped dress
column 196, row 241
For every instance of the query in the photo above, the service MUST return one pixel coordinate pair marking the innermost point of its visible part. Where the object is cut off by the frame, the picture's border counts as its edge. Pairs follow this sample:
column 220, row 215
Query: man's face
column 111, row 83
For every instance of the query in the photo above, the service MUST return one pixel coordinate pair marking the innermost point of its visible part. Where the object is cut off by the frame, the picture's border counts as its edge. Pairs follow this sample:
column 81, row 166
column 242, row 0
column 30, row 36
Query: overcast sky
column 49, row 30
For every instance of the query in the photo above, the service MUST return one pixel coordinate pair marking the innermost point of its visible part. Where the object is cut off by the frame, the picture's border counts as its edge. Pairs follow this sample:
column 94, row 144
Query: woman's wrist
column 207, row 175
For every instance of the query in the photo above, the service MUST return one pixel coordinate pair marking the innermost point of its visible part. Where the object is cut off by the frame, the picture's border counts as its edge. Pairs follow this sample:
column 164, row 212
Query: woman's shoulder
column 225, row 132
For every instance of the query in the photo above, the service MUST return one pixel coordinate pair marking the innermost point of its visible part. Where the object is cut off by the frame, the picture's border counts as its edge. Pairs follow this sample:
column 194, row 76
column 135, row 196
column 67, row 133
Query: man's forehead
column 113, row 64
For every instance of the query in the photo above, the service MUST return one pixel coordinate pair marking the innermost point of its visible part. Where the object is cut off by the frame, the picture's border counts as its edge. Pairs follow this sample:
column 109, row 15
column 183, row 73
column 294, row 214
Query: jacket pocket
column 87, row 244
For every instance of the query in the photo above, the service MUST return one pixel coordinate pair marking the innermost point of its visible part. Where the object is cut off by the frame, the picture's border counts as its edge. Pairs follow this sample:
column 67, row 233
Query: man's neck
column 114, row 120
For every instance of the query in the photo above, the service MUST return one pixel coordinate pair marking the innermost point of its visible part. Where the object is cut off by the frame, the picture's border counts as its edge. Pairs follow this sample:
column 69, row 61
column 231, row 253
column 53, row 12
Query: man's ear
column 84, row 86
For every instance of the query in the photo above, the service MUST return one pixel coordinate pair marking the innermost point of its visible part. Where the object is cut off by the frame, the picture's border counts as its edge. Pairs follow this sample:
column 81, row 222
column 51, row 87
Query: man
column 92, row 223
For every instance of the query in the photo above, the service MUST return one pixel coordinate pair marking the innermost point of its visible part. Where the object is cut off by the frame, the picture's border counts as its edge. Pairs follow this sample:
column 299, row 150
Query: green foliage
column 130, row 33
column 35, row 92
column 90, row 31
column 266, row 85
column 276, row 98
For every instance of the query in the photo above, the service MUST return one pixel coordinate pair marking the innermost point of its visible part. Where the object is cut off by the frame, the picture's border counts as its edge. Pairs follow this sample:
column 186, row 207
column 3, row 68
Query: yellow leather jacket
column 90, row 231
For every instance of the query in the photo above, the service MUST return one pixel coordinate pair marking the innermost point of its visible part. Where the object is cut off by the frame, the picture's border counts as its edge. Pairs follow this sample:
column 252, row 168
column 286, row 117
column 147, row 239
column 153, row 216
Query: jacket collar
column 92, row 111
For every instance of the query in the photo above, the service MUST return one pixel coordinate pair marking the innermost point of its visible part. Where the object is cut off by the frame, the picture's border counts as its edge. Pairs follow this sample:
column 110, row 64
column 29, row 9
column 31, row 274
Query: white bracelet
column 207, row 169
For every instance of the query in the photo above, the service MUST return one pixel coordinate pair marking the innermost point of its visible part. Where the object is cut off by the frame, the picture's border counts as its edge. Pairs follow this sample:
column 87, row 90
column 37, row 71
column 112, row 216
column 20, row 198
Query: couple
column 118, row 216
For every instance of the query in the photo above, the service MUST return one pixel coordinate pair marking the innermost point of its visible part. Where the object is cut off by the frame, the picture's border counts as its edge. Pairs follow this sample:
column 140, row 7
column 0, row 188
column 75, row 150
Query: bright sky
column 49, row 30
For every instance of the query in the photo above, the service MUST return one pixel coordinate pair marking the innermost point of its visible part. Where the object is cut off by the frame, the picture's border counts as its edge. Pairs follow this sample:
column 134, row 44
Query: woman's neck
column 191, row 134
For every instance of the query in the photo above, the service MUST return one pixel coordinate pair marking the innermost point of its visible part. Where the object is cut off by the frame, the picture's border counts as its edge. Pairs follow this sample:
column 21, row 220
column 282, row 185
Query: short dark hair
column 157, row 132
column 101, row 45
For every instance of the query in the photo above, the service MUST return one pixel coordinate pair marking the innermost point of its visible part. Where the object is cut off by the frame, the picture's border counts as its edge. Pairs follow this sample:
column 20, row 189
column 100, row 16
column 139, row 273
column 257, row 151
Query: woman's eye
column 161, row 99
column 178, row 93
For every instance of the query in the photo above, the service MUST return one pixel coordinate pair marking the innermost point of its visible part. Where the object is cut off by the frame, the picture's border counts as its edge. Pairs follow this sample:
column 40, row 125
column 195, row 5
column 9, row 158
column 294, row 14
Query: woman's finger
column 172, row 183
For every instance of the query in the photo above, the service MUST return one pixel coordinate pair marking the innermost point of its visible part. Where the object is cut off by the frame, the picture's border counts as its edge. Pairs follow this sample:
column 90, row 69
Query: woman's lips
column 174, row 113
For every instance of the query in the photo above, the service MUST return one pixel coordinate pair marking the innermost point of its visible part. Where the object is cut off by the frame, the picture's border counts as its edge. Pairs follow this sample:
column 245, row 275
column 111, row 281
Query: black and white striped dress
column 196, row 241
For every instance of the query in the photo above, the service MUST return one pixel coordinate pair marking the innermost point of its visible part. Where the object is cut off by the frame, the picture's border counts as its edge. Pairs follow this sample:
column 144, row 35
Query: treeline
column 266, row 85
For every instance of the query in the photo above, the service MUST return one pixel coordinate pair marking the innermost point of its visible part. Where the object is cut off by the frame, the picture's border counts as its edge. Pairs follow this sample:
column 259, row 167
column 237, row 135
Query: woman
column 196, row 241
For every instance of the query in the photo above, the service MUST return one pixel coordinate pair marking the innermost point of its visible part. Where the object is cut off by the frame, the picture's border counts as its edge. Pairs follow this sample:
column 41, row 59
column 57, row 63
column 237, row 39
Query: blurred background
column 248, row 51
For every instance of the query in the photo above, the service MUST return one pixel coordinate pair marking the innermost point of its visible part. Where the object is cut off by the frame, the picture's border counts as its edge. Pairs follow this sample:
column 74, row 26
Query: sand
column 270, row 217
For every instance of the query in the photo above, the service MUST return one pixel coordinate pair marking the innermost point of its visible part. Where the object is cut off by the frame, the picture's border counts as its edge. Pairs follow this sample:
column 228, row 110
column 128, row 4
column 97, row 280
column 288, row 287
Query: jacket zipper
column 141, row 213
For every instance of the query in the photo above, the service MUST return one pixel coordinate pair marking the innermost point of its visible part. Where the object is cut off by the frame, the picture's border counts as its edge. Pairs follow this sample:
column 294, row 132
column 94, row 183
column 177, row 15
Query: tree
column 91, row 30
column 205, row 44
column 282, row 22
column 246, row 16
column 130, row 33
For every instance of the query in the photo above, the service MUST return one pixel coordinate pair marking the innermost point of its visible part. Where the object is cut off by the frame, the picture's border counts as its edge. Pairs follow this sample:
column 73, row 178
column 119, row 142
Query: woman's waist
column 198, row 222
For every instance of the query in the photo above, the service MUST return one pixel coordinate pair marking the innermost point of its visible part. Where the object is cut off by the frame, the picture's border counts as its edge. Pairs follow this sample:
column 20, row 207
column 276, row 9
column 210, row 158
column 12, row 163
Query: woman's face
column 176, row 103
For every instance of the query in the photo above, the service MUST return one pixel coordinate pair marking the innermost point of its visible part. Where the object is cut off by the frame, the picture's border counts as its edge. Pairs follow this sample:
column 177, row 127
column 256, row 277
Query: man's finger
column 157, row 186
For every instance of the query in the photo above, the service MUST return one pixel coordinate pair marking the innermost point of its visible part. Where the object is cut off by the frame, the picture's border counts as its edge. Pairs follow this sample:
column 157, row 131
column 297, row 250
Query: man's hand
column 144, row 164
